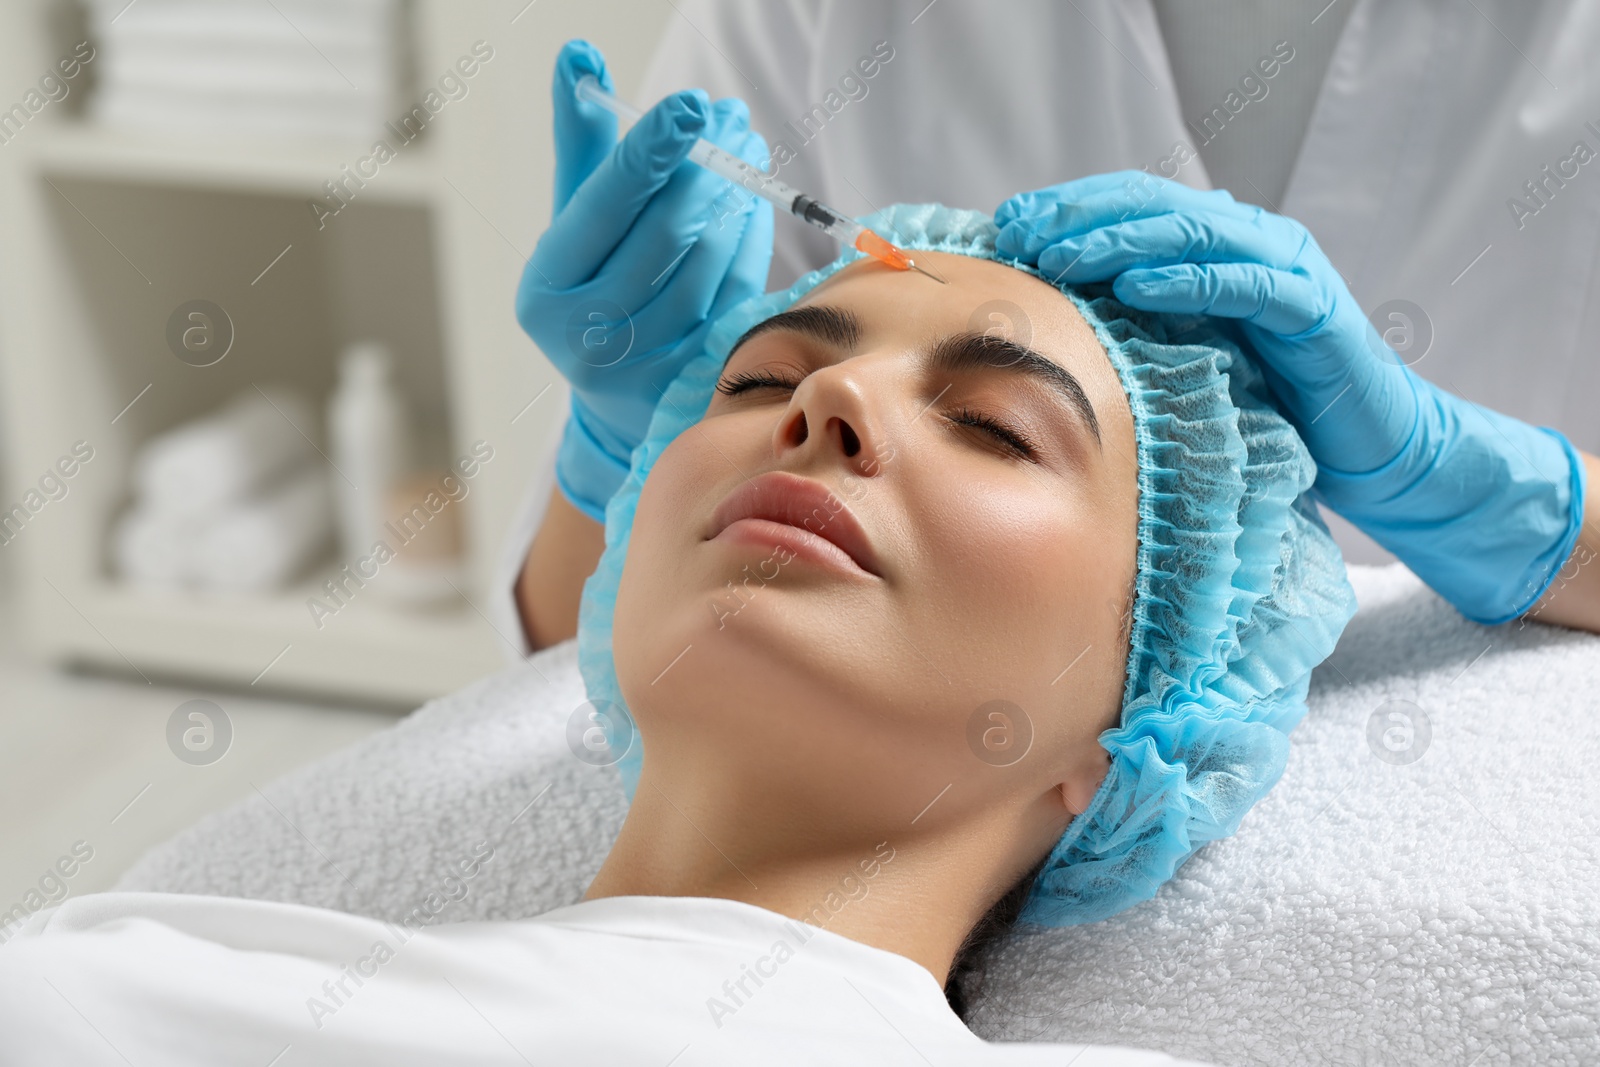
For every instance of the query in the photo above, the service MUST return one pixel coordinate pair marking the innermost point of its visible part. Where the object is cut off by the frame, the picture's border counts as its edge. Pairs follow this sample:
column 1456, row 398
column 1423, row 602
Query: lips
column 803, row 503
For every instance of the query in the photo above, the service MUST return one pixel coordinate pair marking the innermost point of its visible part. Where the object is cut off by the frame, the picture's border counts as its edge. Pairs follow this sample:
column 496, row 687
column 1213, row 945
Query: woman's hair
column 965, row 980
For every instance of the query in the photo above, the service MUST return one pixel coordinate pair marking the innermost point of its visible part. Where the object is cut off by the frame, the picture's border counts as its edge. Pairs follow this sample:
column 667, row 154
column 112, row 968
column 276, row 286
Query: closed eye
column 1014, row 440
column 744, row 381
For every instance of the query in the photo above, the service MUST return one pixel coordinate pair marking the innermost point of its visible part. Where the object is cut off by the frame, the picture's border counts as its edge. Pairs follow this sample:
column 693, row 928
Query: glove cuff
column 591, row 462
column 1481, row 506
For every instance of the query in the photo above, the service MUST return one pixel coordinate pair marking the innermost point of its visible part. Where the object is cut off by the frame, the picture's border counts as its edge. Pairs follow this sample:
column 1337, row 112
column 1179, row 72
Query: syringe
column 836, row 224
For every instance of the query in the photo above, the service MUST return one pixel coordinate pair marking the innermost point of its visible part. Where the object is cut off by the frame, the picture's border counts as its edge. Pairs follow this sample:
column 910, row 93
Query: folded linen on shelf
column 252, row 545
column 294, row 68
column 204, row 465
column 154, row 549
column 259, row 545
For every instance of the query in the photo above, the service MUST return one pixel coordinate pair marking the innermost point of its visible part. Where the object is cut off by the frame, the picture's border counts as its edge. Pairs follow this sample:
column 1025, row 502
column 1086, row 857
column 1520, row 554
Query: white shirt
column 160, row 978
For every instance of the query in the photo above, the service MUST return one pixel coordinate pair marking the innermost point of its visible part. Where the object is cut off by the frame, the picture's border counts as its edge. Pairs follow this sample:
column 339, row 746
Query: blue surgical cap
column 1240, row 590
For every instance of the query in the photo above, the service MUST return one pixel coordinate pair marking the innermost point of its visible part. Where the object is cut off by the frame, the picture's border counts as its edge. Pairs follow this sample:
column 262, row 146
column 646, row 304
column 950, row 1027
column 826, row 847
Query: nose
column 833, row 411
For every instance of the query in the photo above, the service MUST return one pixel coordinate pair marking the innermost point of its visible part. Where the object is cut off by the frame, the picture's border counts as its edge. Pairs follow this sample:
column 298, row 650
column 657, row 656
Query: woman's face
column 994, row 516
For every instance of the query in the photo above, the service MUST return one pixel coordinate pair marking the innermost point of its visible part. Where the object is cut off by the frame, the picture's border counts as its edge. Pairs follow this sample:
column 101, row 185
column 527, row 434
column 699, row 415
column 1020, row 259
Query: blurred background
column 255, row 317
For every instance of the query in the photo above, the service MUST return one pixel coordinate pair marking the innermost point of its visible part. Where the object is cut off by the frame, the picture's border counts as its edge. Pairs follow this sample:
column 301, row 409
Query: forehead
column 982, row 296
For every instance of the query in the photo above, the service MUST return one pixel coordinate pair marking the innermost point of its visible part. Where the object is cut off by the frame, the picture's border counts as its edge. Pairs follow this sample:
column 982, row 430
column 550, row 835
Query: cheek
column 665, row 593
column 1032, row 580
column 1000, row 549
column 656, row 536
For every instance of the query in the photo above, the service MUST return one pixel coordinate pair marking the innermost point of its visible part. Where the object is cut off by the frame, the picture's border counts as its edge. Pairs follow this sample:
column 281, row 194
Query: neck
column 917, row 894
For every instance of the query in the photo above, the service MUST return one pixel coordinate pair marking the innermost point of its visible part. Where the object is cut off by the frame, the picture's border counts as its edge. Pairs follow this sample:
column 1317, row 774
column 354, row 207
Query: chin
column 764, row 707
column 806, row 694
column 743, row 647
column 790, row 646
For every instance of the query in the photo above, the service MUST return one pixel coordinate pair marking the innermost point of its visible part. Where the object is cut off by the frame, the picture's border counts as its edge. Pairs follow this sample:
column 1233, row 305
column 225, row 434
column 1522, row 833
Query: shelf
column 271, row 642
column 259, row 165
column 108, row 230
column 126, row 248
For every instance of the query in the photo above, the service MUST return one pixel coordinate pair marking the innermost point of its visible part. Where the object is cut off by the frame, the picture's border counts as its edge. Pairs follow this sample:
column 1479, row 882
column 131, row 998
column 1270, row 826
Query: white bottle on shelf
column 367, row 432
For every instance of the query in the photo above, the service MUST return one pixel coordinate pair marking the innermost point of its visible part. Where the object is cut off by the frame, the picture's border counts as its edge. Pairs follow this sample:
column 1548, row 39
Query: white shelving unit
column 105, row 232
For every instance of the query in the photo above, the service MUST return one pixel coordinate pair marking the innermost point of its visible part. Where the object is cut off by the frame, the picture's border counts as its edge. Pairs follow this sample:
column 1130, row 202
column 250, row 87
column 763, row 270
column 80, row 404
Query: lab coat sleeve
column 514, row 553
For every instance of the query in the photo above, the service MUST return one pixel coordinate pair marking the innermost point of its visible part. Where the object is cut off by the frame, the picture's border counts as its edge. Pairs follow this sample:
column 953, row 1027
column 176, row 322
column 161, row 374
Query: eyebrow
column 952, row 354
column 836, row 326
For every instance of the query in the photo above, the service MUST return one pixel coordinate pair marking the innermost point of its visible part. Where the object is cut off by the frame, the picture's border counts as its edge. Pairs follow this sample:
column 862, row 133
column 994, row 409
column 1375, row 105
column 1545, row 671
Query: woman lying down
column 924, row 611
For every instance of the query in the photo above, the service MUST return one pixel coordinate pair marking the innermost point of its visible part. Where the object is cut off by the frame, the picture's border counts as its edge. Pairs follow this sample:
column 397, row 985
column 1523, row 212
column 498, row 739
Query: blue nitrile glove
column 645, row 251
column 1482, row 507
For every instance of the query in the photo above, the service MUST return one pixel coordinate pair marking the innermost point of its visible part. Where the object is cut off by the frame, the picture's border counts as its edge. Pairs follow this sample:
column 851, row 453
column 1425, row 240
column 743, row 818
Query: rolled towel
column 258, row 545
column 202, row 466
column 155, row 549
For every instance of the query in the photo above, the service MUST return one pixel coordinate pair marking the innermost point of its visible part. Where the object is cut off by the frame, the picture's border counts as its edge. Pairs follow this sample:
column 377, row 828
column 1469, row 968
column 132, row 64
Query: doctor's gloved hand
column 645, row 251
column 1481, row 506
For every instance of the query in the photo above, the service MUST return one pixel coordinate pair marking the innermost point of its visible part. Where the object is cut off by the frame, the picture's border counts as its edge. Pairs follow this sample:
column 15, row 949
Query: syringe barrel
column 729, row 166
column 745, row 175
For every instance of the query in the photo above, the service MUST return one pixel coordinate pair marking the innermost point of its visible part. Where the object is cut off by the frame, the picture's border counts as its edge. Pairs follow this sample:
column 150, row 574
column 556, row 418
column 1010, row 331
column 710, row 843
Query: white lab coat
column 1414, row 174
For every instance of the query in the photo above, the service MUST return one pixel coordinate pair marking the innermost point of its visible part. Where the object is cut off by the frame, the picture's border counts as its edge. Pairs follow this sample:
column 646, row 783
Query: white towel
column 285, row 72
column 252, row 545
column 233, row 68
column 234, row 117
column 154, row 549
column 1441, row 911
column 203, row 465
column 259, row 545
column 320, row 21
